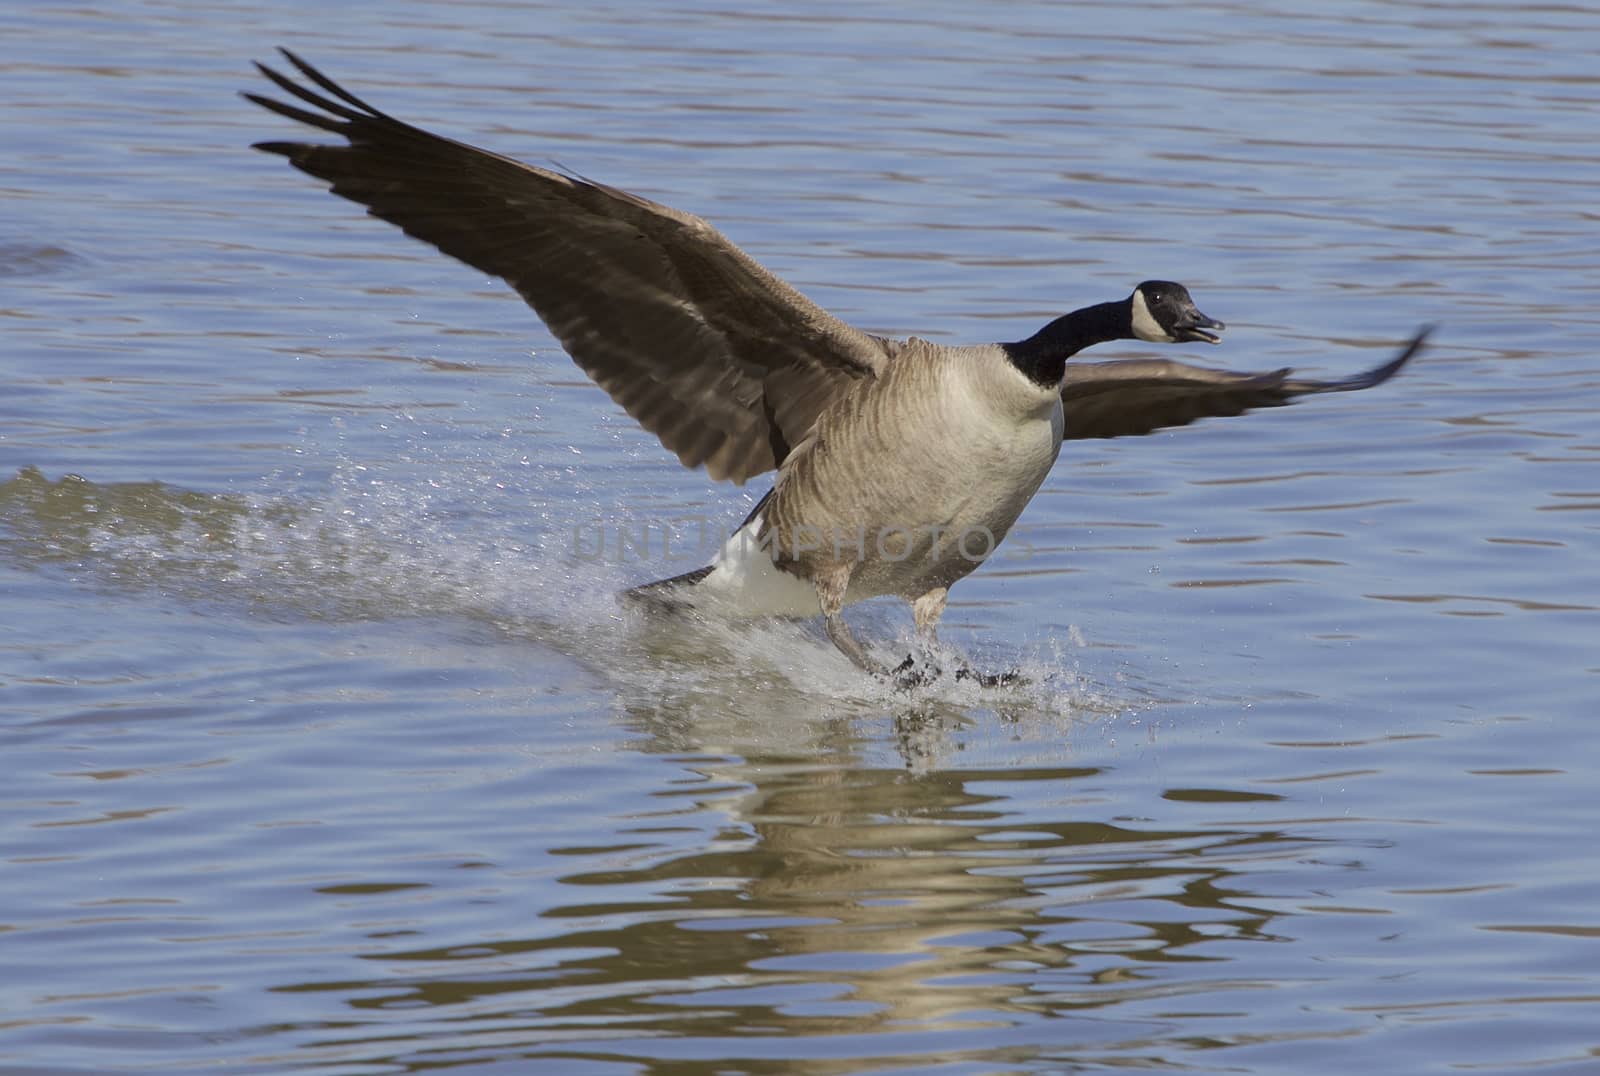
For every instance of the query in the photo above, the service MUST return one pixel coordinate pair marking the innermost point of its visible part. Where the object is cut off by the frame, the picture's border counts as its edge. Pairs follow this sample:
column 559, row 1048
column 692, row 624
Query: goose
column 901, row 464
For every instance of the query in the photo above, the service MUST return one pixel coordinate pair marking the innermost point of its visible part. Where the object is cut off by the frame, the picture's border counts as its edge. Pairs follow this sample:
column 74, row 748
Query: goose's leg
column 926, row 611
column 831, row 583
column 921, row 666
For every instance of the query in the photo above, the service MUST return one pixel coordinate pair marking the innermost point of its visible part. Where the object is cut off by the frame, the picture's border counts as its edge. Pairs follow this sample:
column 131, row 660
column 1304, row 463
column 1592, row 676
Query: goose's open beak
column 1196, row 326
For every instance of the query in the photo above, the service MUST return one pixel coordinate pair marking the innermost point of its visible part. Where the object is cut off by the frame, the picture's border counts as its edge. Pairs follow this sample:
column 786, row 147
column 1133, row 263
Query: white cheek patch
column 1145, row 325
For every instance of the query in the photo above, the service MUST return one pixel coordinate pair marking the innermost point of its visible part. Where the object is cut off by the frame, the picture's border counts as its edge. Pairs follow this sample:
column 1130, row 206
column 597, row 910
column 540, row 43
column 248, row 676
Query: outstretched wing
column 717, row 357
column 1123, row 398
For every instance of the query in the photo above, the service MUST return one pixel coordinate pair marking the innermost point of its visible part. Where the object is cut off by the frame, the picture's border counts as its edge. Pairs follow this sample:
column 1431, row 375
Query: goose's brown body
column 897, row 479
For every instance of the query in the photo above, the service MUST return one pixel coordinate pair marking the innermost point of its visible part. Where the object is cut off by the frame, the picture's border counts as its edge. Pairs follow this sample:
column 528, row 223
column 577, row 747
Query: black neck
column 1043, row 356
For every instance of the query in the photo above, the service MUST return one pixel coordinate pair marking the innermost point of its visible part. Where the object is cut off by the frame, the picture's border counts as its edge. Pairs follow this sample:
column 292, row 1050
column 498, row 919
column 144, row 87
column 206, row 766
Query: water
column 328, row 750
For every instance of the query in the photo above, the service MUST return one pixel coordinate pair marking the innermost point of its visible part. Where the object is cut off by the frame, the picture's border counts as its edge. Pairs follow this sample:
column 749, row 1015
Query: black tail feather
column 660, row 594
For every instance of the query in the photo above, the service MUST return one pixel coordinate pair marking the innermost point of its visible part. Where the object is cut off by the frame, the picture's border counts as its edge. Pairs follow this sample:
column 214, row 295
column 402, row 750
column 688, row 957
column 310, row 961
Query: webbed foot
column 911, row 673
column 1008, row 678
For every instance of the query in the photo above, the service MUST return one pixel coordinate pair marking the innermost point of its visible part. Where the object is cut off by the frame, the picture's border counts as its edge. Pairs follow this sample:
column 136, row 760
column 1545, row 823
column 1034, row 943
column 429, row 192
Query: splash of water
column 472, row 547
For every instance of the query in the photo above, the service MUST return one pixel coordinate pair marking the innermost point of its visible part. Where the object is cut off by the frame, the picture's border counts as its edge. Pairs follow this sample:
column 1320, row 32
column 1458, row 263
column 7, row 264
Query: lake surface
column 328, row 749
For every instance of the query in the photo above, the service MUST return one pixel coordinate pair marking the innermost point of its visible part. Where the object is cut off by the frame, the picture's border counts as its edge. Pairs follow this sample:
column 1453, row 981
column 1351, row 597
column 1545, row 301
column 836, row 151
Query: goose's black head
column 1158, row 311
column 1163, row 313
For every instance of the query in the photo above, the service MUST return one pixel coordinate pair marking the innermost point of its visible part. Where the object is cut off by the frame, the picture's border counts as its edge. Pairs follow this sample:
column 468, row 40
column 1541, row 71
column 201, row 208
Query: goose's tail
column 744, row 580
column 678, row 592
column 667, row 595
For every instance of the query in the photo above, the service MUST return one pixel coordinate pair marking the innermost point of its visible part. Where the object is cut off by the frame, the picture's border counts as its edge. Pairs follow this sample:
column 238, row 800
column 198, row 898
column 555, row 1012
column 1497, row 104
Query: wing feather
column 713, row 354
column 1136, row 396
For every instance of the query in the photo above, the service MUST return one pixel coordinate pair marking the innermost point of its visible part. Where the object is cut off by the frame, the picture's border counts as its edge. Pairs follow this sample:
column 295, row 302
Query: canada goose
column 901, row 464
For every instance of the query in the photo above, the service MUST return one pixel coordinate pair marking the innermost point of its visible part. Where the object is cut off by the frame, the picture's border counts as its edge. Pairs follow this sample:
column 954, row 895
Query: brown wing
column 1120, row 399
column 721, row 360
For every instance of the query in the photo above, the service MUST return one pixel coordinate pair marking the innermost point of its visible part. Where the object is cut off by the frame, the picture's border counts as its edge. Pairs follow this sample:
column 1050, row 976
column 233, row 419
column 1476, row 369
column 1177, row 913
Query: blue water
column 328, row 749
